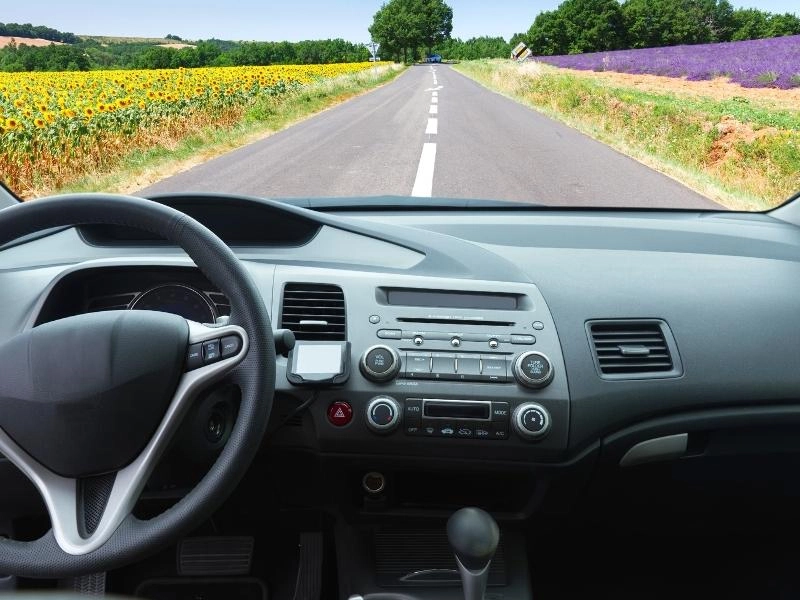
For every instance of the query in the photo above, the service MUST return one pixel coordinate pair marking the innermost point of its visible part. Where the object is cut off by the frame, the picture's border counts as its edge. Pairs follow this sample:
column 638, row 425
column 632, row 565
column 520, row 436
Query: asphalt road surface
column 434, row 132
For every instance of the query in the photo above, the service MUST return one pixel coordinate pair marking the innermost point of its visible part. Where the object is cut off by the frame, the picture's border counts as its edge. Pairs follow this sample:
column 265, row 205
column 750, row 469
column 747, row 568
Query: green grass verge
column 268, row 115
column 742, row 154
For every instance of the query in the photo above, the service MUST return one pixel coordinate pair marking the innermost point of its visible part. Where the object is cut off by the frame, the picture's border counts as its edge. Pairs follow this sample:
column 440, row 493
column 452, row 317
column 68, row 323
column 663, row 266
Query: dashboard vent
column 633, row 349
column 314, row 311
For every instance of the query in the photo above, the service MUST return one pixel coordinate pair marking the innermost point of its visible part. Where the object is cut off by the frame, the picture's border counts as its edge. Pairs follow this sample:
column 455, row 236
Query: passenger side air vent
column 633, row 349
column 314, row 311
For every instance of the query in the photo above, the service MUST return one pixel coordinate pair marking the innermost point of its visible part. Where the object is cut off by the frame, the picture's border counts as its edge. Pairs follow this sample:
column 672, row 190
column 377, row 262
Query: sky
column 268, row 20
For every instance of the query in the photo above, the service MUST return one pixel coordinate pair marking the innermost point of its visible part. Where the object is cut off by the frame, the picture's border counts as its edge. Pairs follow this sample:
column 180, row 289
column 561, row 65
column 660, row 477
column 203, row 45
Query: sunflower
column 11, row 123
column 39, row 122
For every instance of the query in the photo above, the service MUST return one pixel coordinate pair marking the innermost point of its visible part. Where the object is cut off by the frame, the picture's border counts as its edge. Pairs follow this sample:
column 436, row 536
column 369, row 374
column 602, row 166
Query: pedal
column 309, row 567
column 215, row 556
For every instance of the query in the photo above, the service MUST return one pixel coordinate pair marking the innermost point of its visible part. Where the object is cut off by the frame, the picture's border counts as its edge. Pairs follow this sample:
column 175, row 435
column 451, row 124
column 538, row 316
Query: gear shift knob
column 473, row 536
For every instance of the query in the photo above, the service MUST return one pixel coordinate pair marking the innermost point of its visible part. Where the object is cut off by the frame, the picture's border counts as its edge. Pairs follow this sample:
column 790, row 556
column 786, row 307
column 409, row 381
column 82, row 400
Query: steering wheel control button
column 211, row 351
column 194, row 357
column 537, row 325
column 340, row 413
column 380, row 363
column 390, row 334
column 374, row 319
column 531, row 421
column 533, row 370
column 418, row 365
column 231, row 346
column 383, row 414
column 522, row 340
column 494, row 368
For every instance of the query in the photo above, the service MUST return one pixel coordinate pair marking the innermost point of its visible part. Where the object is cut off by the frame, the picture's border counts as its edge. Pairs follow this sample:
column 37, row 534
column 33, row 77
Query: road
column 435, row 132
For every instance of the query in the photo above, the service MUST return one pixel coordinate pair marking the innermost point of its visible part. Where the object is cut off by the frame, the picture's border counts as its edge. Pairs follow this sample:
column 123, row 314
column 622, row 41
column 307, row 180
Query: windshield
column 652, row 104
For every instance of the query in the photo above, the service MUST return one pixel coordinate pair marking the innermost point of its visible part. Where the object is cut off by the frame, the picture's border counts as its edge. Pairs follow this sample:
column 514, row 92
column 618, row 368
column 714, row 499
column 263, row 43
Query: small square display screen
column 312, row 358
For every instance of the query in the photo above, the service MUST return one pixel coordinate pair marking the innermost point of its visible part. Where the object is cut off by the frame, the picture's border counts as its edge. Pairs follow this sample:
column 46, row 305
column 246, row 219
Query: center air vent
column 641, row 349
column 314, row 311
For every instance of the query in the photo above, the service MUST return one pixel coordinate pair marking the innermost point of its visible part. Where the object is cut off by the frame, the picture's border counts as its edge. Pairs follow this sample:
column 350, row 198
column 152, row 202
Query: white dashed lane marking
column 433, row 127
column 423, row 184
column 434, row 109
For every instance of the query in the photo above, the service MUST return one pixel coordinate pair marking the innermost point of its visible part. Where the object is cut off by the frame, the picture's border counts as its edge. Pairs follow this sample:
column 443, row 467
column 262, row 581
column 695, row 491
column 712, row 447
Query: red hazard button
column 340, row 413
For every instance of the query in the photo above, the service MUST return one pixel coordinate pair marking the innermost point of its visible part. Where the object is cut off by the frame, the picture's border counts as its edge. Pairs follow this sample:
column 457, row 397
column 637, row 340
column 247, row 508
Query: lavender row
column 773, row 62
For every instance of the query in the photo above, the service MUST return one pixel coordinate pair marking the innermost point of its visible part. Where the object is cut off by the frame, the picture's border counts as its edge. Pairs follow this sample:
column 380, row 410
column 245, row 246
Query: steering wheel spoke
column 85, row 512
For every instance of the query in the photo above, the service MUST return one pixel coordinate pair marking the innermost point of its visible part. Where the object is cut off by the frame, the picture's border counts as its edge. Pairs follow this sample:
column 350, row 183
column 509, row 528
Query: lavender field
column 771, row 62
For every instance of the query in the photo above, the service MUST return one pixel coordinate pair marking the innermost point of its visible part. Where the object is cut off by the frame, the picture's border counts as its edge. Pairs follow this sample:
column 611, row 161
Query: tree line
column 90, row 55
column 26, row 30
column 578, row 26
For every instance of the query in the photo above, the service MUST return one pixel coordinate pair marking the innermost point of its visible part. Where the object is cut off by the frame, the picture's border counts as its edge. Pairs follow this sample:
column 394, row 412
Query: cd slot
column 452, row 322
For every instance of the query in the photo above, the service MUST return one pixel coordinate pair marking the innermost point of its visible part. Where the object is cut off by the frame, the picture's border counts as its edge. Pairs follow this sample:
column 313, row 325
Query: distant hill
column 6, row 40
column 110, row 39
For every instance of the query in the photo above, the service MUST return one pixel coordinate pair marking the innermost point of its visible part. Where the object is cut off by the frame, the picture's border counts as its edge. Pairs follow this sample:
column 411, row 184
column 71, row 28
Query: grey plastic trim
column 658, row 449
column 60, row 493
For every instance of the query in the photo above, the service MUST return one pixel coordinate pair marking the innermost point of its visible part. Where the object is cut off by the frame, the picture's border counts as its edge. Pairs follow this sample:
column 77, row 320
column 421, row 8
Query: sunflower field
column 55, row 126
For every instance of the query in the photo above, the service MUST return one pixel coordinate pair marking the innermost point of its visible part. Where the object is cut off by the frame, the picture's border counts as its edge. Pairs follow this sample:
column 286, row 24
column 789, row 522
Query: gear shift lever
column 473, row 536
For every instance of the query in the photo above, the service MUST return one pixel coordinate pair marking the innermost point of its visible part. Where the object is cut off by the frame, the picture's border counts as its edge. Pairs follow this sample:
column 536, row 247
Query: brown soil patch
column 177, row 46
column 717, row 89
column 5, row 40
column 732, row 132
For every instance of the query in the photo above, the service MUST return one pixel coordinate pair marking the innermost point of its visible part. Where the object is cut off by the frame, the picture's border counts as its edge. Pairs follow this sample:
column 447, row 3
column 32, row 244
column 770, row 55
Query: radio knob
column 533, row 370
column 380, row 363
column 531, row 421
column 383, row 414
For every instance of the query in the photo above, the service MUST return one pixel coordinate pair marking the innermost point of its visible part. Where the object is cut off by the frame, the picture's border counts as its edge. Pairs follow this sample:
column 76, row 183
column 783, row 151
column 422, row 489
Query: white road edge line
column 433, row 127
column 423, row 184
column 434, row 109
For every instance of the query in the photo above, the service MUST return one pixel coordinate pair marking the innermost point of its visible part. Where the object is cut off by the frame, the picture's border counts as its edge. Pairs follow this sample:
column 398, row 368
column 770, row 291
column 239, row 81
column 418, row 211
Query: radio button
column 443, row 365
column 468, row 367
column 418, row 365
column 390, row 334
column 494, row 369
column 380, row 364
column 500, row 412
column 413, row 411
column 493, row 344
column 521, row 340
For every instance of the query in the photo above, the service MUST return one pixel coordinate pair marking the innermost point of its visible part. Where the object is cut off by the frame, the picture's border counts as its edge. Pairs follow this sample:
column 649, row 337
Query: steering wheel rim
column 253, row 372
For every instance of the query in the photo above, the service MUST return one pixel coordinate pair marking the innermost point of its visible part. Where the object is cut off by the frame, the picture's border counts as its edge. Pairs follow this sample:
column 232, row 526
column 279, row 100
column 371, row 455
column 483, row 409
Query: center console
column 448, row 368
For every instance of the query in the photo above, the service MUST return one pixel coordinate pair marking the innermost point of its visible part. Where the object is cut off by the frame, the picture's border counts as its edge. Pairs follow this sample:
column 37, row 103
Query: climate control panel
column 457, row 419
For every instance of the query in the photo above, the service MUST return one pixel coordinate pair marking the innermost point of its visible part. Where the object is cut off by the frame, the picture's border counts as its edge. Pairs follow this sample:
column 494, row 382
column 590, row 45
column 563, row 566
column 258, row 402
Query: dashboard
column 524, row 337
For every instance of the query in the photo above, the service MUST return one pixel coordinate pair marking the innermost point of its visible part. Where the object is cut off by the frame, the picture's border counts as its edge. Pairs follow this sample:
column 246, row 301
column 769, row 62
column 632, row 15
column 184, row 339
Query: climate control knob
column 383, row 414
column 531, row 421
column 380, row 363
column 533, row 370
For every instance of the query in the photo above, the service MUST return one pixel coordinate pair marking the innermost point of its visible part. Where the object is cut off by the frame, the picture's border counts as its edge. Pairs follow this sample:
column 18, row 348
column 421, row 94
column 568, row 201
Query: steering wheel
column 89, row 403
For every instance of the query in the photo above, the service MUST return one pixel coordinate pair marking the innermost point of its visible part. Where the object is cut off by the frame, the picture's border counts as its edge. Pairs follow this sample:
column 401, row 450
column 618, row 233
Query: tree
column 578, row 26
column 401, row 27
